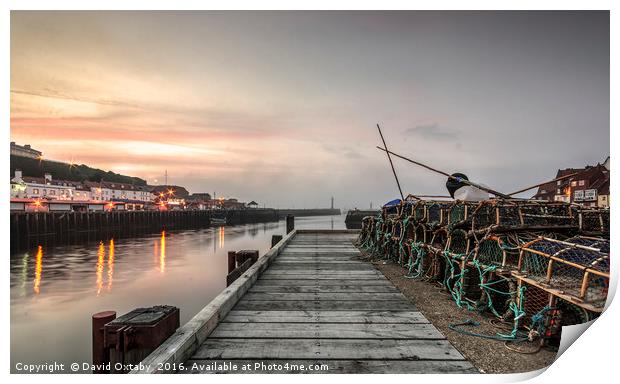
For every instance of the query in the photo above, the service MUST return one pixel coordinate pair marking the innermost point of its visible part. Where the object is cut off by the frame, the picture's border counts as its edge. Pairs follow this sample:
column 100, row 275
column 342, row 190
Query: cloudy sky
column 281, row 107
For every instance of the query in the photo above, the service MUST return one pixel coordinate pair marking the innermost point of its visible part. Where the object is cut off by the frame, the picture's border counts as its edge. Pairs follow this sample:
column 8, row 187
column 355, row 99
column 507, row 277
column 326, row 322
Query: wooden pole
column 290, row 223
column 402, row 197
column 100, row 357
column 543, row 183
column 232, row 261
column 467, row 182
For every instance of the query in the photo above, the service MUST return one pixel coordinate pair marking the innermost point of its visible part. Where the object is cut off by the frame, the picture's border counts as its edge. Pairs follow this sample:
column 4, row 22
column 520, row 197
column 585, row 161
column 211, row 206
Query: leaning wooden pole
column 467, row 182
column 540, row 184
column 402, row 197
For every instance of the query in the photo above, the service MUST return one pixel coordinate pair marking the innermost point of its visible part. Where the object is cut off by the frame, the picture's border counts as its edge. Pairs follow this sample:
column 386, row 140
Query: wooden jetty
column 309, row 302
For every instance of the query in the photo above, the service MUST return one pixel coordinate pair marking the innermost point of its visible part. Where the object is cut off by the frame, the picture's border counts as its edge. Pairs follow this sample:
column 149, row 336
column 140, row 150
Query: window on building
column 582, row 183
column 573, row 183
column 559, row 182
column 559, row 191
column 52, row 192
column 35, row 191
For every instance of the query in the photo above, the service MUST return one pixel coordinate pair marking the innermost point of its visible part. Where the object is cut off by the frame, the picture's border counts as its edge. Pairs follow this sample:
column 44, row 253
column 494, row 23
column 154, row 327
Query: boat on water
column 218, row 219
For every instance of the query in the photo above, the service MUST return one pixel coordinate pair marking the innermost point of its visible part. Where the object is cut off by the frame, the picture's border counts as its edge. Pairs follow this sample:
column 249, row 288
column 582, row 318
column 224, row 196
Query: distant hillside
column 62, row 171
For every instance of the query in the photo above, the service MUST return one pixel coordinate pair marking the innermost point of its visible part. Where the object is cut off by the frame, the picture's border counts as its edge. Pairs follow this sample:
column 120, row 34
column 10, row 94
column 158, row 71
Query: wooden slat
column 326, row 331
column 322, row 288
column 352, row 317
column 312, row 276
column 325, row 296
column 373, row 349
column 266, row 305
column 323, row 282
column 328, row 366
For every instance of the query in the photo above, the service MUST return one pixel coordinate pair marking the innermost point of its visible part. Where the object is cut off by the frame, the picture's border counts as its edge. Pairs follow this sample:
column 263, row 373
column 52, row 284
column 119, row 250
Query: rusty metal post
column 290, row 223
column 100, row 356
column 232, row 261
column 275, row 239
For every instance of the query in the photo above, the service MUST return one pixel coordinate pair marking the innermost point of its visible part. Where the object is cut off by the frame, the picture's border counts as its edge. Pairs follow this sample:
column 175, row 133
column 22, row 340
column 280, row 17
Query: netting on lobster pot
column 534, row 302
column 419, row 211
column 437, row 213
column 420, row 234
column 594, row 221
column 484, row 215
column 497, row 251
column 436, row 249
column 595, row 242
column 578, row 271
column 458, row 243
column 508, row 214
column 547, row 214
column 459, row 213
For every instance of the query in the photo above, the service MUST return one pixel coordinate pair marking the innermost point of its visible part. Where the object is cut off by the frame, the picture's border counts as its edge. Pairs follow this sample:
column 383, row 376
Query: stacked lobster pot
column 484, row 253
column 567, row 278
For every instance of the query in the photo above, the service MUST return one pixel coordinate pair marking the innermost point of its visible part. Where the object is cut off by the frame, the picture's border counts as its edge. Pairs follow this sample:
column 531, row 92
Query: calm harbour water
column 55, row 290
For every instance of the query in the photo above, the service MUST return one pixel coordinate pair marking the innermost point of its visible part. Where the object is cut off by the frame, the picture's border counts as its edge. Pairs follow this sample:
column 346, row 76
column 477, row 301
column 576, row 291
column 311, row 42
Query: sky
column 282, row 107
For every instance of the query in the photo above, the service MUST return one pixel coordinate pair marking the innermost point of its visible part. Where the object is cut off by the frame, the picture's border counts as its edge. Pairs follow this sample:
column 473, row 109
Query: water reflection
column 162, row 252
column 110, row 264
column 24, row 275
column 100, row 261
column 222, row 238
column 38, row 270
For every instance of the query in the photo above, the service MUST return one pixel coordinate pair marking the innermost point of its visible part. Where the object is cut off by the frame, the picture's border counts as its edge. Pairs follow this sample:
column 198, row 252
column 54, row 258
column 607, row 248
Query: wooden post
column 275, row 239
column 100, row 357
column 290, row 223
column 232, row 261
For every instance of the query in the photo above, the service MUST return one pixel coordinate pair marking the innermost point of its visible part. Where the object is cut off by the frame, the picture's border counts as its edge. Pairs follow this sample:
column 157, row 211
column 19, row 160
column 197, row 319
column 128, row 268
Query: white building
column 109, row 190
column 46, row 188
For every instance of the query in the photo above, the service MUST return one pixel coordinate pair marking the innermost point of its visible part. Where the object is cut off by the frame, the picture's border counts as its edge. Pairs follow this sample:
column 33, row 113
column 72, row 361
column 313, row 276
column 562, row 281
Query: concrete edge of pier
column 184, row 342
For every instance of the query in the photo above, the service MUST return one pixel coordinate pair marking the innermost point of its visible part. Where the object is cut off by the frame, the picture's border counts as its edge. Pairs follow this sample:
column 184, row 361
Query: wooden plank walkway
column 315, row 305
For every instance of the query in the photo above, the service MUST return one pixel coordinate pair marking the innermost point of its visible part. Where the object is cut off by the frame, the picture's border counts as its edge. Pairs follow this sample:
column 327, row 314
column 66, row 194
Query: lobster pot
column 452, row 272
column 494, row 250
column 508, row 215
column 421, row 234
column 593, row 242
column 437, row 213
column 409, row 230
column 594, row 221
column 438, row 263
column 578, row 273
column 418, row 211
column 547, row 214
column 485, row 214
column 367, row 228
column 460, row 212
column 470, row 283
column 533, row 300
column 556, row 311
column 458, row 243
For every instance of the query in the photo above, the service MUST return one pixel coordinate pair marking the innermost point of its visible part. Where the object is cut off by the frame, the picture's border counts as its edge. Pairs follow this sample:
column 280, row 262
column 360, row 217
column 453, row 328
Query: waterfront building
column 44, row 188
column 588, row 187
column 134, row 196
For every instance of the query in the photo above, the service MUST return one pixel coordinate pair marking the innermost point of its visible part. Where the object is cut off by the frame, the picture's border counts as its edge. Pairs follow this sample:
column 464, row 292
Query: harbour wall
column 29, row 229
